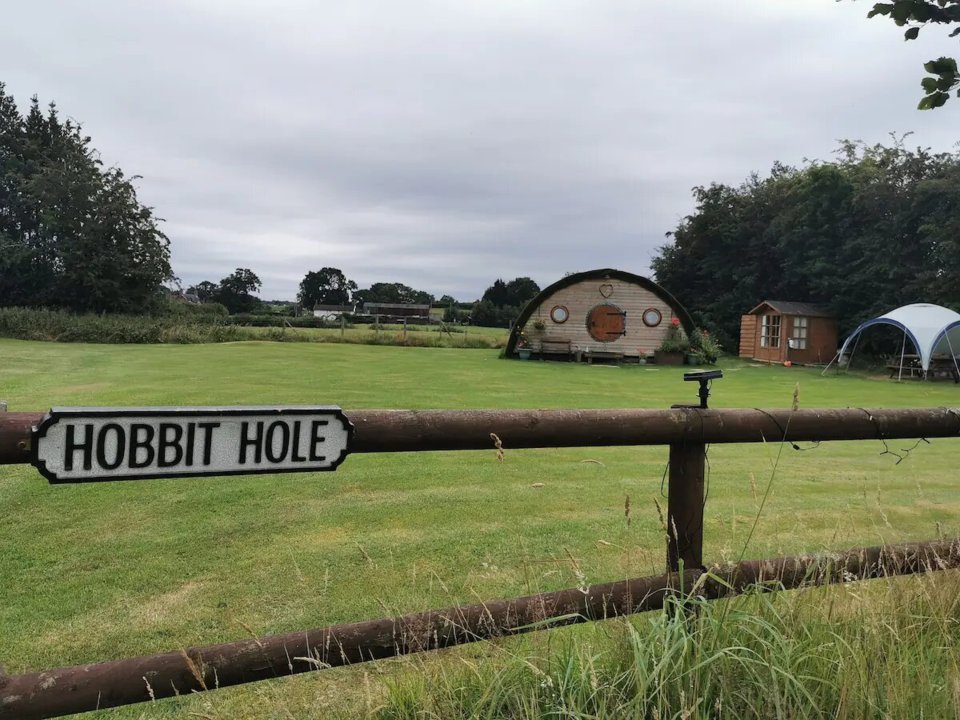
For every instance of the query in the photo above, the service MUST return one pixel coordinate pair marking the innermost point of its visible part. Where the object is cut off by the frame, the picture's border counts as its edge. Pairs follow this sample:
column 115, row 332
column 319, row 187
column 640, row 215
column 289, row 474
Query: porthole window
column 559, row 313
column 652, row 317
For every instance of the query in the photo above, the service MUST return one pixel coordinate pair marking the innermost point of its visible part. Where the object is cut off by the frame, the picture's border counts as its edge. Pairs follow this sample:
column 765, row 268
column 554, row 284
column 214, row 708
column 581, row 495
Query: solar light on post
column 685, row 490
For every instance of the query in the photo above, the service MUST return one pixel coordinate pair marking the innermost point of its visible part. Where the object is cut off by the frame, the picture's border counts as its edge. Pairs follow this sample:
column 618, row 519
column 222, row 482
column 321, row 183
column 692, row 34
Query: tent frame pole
column 830, row 363
column 903, row 349
column 854, row 351
column 952, row 355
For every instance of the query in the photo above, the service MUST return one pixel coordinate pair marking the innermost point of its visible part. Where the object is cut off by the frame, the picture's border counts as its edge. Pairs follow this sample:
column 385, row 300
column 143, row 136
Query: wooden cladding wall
column 582, row 297
column 748, row 335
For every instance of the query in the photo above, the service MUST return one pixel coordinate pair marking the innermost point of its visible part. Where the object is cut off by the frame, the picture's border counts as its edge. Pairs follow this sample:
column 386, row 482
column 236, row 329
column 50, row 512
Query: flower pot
column 667, row 358
column 692, row 359
column 641, row 361
column 524, row 353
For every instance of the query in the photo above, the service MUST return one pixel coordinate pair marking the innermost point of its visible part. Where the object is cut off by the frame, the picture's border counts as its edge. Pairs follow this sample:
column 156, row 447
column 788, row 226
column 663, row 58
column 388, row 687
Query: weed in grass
column 881, row 650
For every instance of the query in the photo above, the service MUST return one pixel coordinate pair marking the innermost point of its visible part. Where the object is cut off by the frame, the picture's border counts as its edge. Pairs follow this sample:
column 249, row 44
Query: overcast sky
column 445, row 144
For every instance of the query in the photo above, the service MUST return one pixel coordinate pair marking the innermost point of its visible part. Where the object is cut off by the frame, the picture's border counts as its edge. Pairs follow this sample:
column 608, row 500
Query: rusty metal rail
column 419, row 430
column 87, row 687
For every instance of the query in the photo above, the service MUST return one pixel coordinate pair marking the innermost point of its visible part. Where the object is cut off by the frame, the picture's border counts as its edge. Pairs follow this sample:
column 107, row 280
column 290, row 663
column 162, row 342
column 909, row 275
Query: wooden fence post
column 685, row 498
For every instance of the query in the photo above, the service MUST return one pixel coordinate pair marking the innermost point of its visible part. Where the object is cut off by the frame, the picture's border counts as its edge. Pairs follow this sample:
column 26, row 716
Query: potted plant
column 674, row 346
column 641, row 356
column 523, row 347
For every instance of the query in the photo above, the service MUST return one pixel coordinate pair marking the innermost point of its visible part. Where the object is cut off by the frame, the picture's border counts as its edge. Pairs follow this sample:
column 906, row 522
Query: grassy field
column 100, row 571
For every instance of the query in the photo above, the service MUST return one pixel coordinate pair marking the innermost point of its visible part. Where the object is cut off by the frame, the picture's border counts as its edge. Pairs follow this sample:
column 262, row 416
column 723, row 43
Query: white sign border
column 59, row 413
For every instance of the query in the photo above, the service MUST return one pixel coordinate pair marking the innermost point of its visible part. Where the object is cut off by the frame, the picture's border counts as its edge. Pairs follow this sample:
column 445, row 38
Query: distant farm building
column 332, row 312
column 778, row 331
column 396, row 311
column 606, row 313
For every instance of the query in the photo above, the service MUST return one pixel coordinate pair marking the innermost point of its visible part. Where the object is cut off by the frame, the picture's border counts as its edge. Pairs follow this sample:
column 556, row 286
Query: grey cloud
column 444, row 144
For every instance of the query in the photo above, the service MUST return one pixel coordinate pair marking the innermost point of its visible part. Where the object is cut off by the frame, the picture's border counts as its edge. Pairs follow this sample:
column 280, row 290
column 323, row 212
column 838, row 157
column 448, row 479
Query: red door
column 607, row 323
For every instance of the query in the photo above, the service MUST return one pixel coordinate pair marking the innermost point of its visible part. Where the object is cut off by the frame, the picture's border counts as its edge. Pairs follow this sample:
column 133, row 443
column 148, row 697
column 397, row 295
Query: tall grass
column 881, row 649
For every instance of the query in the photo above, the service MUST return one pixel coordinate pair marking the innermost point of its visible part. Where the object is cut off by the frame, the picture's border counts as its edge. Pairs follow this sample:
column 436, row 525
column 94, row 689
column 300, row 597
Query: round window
column 652, row 317
column 559, row 314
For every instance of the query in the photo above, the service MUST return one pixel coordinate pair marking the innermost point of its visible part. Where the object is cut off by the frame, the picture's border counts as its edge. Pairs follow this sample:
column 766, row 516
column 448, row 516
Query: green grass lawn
column 102, row 571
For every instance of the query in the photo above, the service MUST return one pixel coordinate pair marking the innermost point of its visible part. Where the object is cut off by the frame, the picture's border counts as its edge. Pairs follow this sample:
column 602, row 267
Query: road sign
column 90, row 444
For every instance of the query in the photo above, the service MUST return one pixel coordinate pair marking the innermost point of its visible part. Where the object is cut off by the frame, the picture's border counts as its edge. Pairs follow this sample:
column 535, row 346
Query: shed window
column 770, row 331
column 798, row 339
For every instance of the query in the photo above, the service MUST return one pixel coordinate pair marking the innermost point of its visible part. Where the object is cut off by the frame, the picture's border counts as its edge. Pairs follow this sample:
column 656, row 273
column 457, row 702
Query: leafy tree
column 502, row 302
column 236, row 291
column 486, row 314
column 518, row 292
column 206, row 291
column 496, row 294
column 521, row 290
column 72, row 233
column 875, row 229
column 393, row 293
column 327, row 286
column 943, row 76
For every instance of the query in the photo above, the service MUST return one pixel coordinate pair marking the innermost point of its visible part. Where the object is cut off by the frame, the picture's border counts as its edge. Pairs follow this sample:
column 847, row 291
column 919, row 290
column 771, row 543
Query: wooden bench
column 602, row 355
column 555, row 346
column 908, row 371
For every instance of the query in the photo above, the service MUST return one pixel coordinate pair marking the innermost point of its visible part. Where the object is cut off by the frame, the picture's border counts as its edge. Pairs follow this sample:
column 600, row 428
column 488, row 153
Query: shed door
column 607, row 323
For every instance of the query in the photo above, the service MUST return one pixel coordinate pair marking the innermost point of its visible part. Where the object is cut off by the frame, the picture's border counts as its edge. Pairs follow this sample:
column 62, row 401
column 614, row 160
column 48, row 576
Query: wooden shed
column 777, row 331
column 603, row 313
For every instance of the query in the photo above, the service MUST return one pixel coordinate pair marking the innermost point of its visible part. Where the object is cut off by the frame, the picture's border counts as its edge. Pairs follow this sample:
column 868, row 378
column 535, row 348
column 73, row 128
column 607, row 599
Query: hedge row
column 62, row 326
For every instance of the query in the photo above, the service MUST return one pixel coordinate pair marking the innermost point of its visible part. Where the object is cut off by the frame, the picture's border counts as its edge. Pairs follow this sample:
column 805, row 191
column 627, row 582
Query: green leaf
column 929, row 84
column 935, row 100
column 880, row 9
column 946, row 82
column 941, row 66
column 902, row 10
column 911, row 33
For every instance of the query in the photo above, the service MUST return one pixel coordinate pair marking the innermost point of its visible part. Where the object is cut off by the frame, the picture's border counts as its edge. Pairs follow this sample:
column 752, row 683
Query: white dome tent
column 934, row 331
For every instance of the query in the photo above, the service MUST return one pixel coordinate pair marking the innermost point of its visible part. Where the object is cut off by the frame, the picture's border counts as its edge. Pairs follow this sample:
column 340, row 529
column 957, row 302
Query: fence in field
column 686, row 430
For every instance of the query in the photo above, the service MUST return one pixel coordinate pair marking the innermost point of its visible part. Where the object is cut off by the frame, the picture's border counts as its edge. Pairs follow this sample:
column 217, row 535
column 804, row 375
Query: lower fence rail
column 84, row 688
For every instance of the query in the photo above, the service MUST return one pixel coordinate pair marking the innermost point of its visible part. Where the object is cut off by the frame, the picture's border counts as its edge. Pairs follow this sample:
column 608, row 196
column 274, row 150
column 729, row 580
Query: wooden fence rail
column 686, row 430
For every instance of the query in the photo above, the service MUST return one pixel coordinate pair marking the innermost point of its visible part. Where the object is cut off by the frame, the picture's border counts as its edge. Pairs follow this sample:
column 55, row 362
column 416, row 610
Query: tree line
column 72, row 232
column 329, row 286
column 876, row 228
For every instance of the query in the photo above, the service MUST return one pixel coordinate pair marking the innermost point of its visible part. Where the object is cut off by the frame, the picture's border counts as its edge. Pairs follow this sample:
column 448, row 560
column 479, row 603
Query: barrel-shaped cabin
column 606, row 313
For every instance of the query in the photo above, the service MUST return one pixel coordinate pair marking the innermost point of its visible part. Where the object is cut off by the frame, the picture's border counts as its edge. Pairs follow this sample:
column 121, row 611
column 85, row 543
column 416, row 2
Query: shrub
column 705, row 346
column 676, row 339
